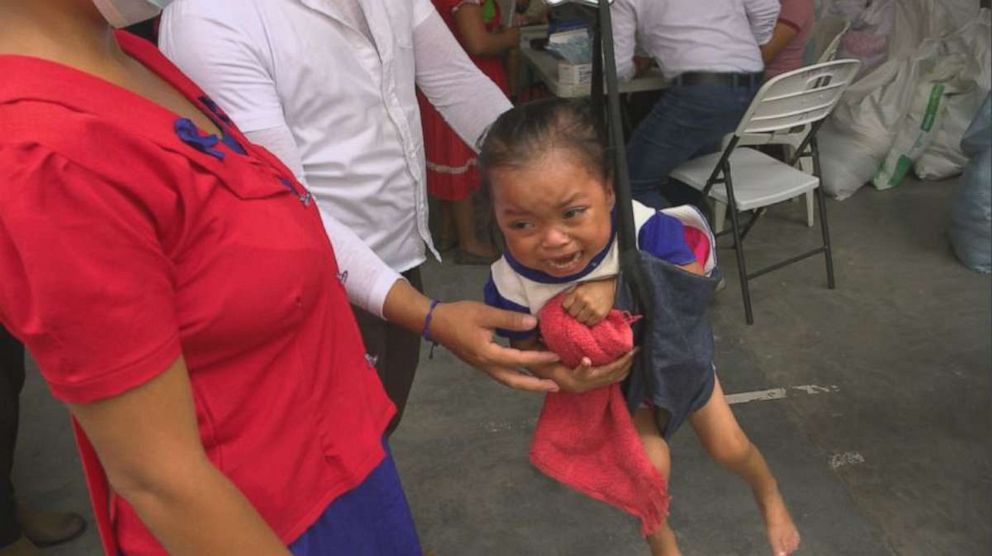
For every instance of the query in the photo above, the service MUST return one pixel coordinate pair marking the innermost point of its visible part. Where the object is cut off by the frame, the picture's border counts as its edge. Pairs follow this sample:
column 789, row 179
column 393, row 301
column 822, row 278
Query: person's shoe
column 50, row 528
column 22, row 547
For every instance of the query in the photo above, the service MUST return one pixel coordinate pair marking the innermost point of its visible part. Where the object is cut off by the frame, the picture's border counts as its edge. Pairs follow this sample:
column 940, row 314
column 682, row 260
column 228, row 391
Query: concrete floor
column 881, row 444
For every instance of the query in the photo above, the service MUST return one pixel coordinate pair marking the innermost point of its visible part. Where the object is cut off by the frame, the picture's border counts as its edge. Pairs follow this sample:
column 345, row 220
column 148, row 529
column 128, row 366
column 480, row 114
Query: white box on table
column 574, row 74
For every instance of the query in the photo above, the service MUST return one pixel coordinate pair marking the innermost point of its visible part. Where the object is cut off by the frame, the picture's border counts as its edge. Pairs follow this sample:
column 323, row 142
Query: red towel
column 588, row 441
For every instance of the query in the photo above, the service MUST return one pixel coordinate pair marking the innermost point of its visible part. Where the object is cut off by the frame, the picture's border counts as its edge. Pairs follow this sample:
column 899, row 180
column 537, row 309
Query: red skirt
column 451, row 164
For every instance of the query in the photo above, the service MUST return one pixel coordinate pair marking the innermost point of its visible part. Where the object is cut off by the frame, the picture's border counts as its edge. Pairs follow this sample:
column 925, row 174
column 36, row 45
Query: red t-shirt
column 128, row 239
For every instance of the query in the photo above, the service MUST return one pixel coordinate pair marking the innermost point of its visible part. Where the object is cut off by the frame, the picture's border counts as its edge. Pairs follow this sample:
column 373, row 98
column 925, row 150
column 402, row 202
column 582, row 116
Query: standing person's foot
column 782, row 533
column 50, row 528
column 475, row 254
column 21, row 547
column 442, row 244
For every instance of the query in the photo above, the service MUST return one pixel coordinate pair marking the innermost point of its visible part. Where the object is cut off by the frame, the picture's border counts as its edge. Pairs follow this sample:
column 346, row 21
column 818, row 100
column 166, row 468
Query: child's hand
column 590, row 302
column 585, row 377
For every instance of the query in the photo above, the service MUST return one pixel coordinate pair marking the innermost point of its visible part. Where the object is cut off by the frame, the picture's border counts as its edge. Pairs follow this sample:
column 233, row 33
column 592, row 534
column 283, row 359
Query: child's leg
column 662, row 541
column 726, row 443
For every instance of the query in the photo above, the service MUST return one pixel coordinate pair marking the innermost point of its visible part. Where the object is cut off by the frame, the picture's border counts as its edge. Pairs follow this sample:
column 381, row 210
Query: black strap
column 605, row 70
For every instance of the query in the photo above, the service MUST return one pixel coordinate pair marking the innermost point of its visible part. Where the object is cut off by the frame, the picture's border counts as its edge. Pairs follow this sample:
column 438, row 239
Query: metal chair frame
column 821, row 94
column 790, row 139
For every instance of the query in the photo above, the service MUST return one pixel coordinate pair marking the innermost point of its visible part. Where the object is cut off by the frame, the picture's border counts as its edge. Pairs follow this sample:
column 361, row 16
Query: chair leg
column 719, row 216
column 806, row 165
column 825, row 230
column 741, row 265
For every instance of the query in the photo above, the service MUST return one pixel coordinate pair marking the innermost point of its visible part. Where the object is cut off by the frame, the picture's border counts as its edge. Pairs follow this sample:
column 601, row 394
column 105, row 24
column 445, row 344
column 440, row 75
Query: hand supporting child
column 582, row 378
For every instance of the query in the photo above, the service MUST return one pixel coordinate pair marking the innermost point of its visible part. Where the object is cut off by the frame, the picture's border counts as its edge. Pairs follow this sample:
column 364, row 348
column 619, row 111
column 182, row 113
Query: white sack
column 860, row 132
column 937, row 79
column 965, row 94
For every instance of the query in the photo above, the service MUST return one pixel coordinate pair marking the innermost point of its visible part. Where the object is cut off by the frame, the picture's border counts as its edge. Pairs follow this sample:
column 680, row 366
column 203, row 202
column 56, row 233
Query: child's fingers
column 576, row 310
column 569, row 300
column 583, row 315
column 589, row 315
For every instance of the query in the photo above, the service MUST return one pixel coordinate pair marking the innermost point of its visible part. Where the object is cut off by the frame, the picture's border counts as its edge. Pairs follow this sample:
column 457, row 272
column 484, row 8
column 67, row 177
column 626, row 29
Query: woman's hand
column 586, row 377
column 590, row 302
column 466, row 329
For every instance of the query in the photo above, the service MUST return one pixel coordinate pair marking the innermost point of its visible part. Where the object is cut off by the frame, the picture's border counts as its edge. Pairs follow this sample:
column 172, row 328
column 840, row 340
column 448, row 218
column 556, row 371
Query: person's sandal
column 21, row 547
column 50, row 528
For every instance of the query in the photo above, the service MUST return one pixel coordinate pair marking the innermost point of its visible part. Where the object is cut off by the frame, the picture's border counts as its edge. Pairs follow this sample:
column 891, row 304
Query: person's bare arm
column 471, row 32
column 694, row 267
column 148, row 442
column 762, row 15
column 466, row 328
column 781, row 37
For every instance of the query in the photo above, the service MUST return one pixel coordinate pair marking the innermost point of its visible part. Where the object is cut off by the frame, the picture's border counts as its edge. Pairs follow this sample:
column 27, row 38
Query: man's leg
column 397, row 352
column 11, row 382
column 687, row 121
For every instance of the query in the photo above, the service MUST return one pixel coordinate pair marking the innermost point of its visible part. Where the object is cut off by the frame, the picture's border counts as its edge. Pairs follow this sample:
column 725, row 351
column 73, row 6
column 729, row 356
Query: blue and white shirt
column 515, row 287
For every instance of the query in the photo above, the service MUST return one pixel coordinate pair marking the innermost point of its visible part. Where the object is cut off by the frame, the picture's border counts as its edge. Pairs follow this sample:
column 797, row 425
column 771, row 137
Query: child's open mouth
column 565, row 263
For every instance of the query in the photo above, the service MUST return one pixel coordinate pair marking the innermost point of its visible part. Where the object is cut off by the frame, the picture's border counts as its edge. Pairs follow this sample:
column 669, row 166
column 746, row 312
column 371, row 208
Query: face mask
column 121, row 13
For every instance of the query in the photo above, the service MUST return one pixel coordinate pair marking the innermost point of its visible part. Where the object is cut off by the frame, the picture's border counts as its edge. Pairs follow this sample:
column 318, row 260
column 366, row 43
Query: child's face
column 554, row 213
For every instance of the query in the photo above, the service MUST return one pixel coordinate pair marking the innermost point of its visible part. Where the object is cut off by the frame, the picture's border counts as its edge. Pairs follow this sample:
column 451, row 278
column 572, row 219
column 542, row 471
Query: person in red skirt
column 451, row 163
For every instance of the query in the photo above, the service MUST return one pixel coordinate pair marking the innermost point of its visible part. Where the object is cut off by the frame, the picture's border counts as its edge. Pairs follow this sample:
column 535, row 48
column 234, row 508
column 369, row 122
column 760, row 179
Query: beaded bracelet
column 426, row 333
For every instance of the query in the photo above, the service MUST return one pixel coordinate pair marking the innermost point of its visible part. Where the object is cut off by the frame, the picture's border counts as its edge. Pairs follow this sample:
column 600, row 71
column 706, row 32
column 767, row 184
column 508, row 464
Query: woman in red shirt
column 224, row 406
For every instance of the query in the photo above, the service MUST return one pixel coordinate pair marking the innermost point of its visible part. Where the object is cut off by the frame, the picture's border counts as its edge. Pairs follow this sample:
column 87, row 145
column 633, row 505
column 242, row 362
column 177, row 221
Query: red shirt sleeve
column 85, row 282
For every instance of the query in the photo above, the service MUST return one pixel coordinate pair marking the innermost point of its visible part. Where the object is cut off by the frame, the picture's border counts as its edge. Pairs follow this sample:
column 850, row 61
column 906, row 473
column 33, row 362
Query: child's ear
column 611, row 197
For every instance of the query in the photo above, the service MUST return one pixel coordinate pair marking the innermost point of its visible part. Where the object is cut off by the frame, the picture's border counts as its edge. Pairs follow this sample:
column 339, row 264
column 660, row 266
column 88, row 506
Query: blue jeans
column 687, row 121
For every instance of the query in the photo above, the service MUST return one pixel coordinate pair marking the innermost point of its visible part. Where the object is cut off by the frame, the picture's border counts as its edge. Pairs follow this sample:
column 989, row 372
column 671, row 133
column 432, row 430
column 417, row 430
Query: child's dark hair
column 529, row 131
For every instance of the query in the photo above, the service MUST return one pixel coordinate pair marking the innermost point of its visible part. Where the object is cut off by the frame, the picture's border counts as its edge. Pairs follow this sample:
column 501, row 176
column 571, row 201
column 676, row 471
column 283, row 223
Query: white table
column 545, row 66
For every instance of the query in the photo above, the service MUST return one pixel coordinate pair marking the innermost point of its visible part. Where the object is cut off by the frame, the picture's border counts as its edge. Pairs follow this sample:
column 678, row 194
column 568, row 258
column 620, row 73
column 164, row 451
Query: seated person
column 784, row 52
column 712, row 61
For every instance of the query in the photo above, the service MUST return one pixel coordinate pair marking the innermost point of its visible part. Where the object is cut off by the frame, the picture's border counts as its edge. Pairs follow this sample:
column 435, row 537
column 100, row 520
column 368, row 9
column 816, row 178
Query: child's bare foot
column 782, row 533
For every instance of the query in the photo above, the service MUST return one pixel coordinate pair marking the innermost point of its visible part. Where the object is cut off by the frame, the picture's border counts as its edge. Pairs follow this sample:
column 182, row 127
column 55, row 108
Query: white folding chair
column 824, row 40
column 745, row 179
